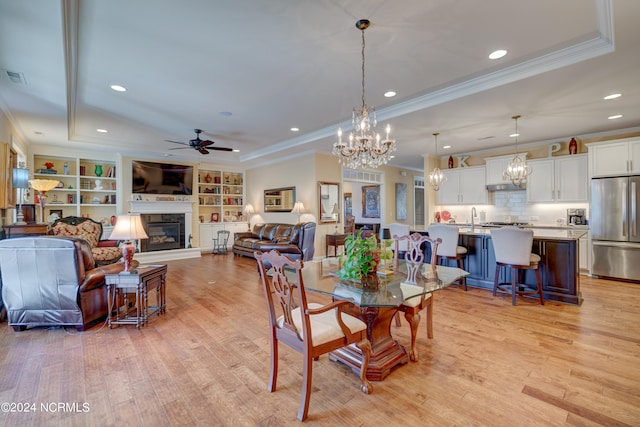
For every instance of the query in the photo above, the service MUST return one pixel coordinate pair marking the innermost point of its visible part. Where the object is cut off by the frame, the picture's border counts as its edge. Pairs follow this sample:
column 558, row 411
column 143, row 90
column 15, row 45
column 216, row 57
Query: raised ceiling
column 274, row 65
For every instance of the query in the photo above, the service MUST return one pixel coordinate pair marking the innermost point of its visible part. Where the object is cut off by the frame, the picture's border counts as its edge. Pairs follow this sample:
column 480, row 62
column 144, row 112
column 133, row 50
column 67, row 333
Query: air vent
column 15, row 77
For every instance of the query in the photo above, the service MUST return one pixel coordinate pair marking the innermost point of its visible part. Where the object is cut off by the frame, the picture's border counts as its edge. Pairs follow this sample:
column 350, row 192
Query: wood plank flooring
column 206, row 363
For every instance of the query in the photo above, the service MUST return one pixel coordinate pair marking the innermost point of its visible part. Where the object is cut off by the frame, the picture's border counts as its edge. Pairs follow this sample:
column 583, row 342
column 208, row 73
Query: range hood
column 506, row 187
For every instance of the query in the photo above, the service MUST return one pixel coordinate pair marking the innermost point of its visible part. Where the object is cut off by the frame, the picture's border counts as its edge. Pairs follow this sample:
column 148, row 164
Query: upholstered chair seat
column 512, row 247
column 104, row 251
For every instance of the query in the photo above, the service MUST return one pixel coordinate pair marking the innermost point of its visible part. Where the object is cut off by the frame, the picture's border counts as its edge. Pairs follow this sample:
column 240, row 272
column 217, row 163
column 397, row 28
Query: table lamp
column 298, row 209
column 248, row 211
column 128, row 227
column 336, row 214
column 20, row 182
column 42, row 186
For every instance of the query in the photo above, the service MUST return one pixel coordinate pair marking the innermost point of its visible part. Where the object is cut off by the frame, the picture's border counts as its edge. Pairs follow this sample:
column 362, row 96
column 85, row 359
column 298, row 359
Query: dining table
column 376, row 303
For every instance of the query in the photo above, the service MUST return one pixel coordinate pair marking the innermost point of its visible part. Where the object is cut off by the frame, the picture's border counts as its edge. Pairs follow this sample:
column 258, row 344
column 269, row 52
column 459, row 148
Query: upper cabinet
column 559, row 179
column 463, row 186
column 620, row 157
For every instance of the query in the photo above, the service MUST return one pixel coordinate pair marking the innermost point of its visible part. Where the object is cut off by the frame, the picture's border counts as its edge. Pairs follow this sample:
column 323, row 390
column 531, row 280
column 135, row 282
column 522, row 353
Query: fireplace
column 165, row 231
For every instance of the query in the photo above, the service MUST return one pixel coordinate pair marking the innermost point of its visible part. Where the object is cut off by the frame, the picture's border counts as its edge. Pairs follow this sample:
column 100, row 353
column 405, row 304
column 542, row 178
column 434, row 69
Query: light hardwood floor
column 206, row 363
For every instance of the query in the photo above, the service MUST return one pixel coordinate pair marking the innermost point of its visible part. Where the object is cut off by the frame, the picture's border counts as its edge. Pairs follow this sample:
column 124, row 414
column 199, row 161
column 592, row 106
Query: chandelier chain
column 363, row 44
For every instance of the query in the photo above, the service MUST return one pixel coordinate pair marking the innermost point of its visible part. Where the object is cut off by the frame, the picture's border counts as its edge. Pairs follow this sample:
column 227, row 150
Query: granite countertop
column 572, row 232
column 538, row 233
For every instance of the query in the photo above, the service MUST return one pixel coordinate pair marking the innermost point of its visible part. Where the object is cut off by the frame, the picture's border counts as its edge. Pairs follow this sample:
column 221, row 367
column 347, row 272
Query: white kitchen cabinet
column 615, row 157
column 463, row 186
column 558, row 179
column 584, row 254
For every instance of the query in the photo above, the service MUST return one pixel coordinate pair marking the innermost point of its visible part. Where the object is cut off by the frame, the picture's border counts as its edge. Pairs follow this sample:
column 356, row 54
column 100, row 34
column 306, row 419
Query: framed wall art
column 371, row 201
column 401, row 201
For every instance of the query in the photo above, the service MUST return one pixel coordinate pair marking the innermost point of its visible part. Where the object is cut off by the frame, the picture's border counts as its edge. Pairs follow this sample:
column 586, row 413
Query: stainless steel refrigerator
column 615, row 227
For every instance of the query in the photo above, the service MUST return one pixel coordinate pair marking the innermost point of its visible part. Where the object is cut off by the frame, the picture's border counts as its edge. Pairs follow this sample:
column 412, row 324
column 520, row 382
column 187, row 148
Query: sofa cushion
column 269, row 231
column 283, row 234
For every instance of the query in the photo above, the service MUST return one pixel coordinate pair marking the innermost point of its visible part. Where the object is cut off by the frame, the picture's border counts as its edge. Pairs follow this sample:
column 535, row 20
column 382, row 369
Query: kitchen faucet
column 473, row 217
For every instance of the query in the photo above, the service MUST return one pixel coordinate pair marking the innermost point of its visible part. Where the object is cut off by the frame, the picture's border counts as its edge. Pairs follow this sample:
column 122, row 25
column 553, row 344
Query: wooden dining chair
column 309, row 328
column 414, row 258
column 349, row 224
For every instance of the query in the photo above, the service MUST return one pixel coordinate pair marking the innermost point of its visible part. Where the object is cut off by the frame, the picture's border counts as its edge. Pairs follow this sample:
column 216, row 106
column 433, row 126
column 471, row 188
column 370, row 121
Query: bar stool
column 512, row 247
column 449, row 248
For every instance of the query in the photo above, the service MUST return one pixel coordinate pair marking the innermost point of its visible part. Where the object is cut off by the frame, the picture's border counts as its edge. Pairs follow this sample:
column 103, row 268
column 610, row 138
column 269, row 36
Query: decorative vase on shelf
column 207, row 178
column 98, row 171
column 573, row 146
column 450, row 162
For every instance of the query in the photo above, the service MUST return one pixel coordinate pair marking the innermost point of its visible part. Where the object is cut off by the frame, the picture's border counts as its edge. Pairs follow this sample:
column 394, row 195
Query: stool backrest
column 396, row 229
column 512, row 245
column 449, row 236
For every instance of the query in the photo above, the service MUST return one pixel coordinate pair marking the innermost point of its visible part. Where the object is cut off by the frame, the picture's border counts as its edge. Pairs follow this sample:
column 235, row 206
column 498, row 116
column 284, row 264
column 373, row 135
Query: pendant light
column 518, row 170
column 366, row 147
column 436, row 177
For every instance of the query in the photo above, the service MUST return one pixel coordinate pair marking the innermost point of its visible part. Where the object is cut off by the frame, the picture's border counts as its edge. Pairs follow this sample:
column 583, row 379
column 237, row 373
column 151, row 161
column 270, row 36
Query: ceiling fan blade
column 203, row 150
column 206, row 143
column 179, row 148
column 221, row 148
column 176, row 142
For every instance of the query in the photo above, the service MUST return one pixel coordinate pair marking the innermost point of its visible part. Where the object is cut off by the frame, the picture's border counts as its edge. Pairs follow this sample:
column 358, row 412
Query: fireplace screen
column 163, row 236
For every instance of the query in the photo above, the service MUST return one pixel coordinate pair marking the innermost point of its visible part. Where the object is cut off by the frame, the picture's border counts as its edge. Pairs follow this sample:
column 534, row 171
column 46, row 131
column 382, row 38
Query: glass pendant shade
column 518, row 170
column 436, row 176
column 365, row 146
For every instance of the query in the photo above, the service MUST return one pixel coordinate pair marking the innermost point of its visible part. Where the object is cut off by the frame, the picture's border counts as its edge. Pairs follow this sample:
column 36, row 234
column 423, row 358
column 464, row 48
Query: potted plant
column 360, row 258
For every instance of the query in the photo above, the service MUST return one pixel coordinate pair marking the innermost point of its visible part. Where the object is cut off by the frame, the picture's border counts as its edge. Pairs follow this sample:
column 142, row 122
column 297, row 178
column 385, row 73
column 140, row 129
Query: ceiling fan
column 199, row 144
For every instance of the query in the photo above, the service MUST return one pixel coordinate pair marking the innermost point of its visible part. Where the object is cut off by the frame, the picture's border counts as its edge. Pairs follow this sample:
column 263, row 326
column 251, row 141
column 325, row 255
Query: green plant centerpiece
column 360, row 259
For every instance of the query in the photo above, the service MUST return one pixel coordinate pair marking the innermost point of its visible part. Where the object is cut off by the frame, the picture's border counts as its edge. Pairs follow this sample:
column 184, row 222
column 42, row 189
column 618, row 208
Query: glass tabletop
column 391, row 290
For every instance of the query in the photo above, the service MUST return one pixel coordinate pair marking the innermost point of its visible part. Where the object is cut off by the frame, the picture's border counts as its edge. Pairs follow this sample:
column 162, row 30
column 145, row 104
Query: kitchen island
column 559, row 265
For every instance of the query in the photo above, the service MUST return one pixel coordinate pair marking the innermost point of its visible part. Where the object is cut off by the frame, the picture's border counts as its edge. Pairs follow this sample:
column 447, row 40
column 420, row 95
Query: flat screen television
column 161, row 178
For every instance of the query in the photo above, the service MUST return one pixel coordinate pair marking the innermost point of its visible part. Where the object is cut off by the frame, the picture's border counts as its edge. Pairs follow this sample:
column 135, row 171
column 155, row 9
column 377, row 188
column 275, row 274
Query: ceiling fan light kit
column 199, row 144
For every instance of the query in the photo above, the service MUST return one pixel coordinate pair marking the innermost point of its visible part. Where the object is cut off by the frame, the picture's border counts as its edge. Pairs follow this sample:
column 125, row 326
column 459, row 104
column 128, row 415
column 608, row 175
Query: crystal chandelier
column 365, row 147
column 518, row 170
column 436, row 177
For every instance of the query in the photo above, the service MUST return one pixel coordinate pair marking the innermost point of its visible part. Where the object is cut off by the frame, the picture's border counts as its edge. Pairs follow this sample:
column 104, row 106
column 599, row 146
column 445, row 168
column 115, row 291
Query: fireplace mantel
column 154, row 206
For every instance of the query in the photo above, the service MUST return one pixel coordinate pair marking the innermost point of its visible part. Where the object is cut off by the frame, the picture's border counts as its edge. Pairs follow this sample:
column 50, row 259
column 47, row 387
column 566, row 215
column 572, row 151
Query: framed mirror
column 279, row 199
column 329, row 203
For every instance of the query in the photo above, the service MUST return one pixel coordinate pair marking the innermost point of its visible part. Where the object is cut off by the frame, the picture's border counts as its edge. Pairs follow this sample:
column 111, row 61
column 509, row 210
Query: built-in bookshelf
column 220, row 196
column 87, row 187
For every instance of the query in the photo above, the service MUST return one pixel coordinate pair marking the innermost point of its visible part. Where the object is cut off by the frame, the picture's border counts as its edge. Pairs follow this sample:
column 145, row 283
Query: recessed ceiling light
column 616, row 116
column 295, row 129
column 102, row 130
column 118, row 88
column 235, row 150
column 513, row 135
column 446, row 147
column 613, row 96
column 225, row 113
column 389, row 94
column 497, row 54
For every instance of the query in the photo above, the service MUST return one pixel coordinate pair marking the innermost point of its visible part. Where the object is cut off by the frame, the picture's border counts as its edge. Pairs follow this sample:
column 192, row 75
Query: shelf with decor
column 87, row 187
column 220, row 196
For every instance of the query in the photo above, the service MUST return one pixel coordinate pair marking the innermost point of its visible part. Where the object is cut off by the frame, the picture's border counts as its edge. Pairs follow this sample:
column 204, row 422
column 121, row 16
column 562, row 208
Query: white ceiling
column 278, row 64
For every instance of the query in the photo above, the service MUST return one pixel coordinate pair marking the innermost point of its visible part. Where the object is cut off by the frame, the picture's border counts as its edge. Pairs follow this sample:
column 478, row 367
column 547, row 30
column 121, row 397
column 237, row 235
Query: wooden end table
column 26, row 230
column 139, row 282
column 334, row 240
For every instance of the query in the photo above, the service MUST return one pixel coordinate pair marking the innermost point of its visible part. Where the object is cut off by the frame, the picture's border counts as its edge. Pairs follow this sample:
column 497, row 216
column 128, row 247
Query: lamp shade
column 248, row 209
column 20, row 178
column 43, row 185
column 298, row 208
column 128, row 227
